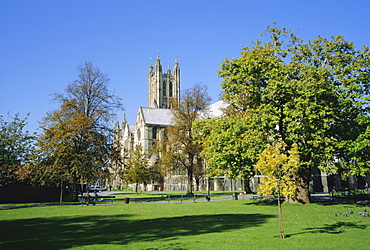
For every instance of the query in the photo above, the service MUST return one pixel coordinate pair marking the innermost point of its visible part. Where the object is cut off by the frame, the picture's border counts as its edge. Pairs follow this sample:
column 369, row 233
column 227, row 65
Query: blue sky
column 42, row 42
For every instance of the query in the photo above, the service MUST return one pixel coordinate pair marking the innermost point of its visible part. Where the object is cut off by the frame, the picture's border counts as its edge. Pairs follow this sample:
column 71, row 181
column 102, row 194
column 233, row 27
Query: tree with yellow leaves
column 278, row 165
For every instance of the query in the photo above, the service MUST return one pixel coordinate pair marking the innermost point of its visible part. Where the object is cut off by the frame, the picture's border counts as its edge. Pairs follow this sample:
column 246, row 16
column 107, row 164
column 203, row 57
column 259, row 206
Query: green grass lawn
column 203, row 225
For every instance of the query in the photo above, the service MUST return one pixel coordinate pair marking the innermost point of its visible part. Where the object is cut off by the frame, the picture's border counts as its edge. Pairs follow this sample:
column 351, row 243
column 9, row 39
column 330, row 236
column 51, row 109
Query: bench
column 269, row 198
column 93, row 200
column 180, row 197
column 346, row 193
column 88, row 199
column 350, row 193
column 258, row 197
column 108, row 198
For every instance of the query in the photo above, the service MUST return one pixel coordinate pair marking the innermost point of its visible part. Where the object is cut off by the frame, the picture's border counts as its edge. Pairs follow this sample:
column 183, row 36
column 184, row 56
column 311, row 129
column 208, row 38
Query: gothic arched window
column 164, row 88
column 170, row 89
column 154, row 133
column 139, row 134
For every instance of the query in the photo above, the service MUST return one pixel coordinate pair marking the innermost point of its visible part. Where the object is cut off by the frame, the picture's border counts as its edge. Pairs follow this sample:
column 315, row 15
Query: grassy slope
column 212, row 225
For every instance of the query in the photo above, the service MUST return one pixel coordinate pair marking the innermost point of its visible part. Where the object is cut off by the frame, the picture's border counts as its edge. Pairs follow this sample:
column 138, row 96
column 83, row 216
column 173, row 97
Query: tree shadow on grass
column 146, row 197
column 262, row 203
column 68, row 232
column 335, row 228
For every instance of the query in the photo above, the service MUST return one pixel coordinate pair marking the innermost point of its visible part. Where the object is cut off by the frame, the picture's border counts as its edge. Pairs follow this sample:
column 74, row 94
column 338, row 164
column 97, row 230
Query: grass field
column 202, row 225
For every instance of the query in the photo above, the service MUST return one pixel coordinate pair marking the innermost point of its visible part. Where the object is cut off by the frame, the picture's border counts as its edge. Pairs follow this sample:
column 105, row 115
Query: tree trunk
column 302, row 180
column 61, row 192
column 246, row 187
column 197, row 183
column 280, row 216
column 190, row 169
column 75, row 189
column 189, row 189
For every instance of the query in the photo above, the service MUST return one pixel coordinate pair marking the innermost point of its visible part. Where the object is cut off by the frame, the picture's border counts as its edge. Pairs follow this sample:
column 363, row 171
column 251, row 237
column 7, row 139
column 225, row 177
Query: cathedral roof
column 214, row 110
column 157, row 116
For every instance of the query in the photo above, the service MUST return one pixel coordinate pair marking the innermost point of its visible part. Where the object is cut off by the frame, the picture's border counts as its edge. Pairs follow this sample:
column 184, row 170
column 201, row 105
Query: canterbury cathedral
column 151, row 122
column 150, row 126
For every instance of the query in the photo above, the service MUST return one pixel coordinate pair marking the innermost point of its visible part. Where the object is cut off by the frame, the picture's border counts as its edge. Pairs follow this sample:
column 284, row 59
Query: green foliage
column 358, row 151
column 230, row 144
column 16, row 146
column 314, row 94
column 137, row 170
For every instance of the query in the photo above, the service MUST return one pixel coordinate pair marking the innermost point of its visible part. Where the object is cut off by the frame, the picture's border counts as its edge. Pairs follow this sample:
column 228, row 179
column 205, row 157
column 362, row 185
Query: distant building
column 151, row 121
column 150, row 126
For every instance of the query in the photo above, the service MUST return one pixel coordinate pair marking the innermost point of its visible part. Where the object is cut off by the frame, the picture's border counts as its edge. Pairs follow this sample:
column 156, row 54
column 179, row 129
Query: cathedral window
column 164, row 89
column 139, row 134
column 154, row 133
column 170, row 89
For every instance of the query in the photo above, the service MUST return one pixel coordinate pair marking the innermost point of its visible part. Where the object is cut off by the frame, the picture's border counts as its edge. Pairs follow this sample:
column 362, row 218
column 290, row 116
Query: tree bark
column 75, row 189
column 197, row 184
column 190, row 169
column 302, row 180
column 246, row 186
column 189, row 189
column 61, row 192
column 190, row 183
column 280, row 216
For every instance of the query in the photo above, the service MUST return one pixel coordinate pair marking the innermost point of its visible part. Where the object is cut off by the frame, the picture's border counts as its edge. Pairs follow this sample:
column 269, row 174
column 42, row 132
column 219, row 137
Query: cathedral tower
column 163, row 86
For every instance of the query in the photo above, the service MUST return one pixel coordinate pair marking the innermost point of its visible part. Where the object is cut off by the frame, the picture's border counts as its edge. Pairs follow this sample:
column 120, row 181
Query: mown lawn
column 202, row 225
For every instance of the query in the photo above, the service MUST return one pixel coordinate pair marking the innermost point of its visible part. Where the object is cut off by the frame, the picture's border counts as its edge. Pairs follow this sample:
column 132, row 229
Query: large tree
column 305, row 93
column 231, row 144
column 16, row 146
column 77, row 137
column 179, row 152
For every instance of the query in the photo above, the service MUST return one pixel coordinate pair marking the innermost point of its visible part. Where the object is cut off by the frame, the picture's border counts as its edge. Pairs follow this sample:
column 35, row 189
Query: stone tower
column 163, row 86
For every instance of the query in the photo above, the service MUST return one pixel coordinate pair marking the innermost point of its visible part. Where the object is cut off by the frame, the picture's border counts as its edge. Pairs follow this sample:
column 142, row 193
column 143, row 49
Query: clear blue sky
column 42, row 42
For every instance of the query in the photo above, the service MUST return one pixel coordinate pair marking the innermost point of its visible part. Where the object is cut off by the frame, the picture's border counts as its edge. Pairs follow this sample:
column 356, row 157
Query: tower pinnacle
column 163, row 86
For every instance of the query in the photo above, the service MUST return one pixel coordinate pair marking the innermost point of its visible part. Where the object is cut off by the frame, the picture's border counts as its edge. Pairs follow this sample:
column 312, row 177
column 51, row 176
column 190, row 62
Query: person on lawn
column 94, row 198
column 87, row 198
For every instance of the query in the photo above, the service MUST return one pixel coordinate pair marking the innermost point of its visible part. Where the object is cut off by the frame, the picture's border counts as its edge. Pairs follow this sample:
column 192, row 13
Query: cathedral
column 150, row 126
column 151, row 121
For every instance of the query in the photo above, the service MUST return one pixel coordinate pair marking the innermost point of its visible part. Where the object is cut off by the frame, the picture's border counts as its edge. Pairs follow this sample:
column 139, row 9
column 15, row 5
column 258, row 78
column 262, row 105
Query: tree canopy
column 76, row 138
column 231, row 145
column 277, row 164
column 137, row 167
column 16, row 146
column 179, row 151
column 314, row 94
